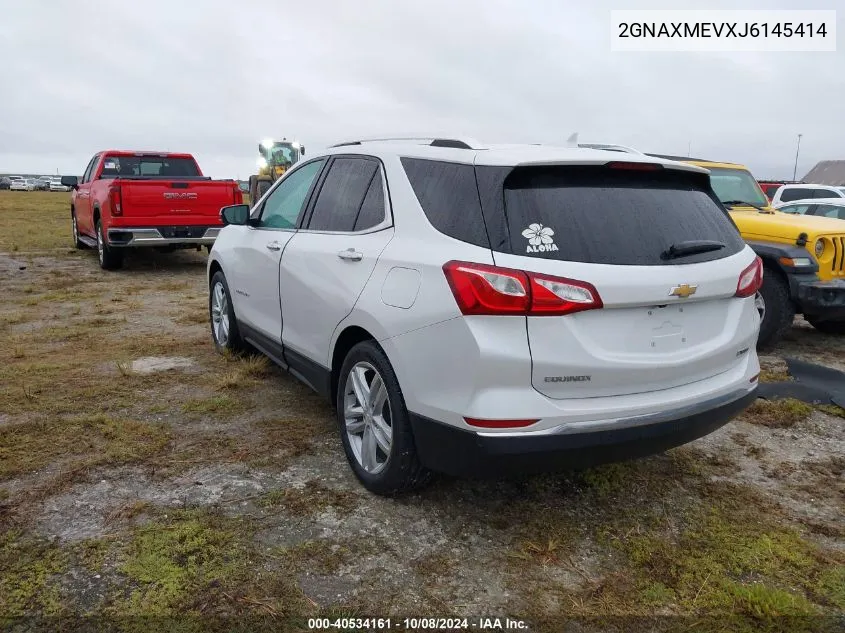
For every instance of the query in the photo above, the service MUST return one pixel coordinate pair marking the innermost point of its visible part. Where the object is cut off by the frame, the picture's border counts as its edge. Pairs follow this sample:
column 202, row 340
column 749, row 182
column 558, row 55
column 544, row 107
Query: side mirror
column 236, row 214
column 302, row 150
column 70, row 181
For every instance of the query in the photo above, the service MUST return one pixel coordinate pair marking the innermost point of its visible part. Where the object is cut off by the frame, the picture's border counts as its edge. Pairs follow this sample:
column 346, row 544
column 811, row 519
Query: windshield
column 736, row 184
column 281, row 154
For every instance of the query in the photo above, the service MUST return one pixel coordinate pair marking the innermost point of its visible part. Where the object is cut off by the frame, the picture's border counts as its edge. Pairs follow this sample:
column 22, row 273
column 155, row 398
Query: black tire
column 828, row 327
column 402, row 471
column 233, row 341
column 110, row 258
column 780, row 310
column 74, row 228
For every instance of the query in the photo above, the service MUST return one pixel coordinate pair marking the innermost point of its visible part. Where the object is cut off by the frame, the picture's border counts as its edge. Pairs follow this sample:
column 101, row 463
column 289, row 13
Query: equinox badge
column 683, row 291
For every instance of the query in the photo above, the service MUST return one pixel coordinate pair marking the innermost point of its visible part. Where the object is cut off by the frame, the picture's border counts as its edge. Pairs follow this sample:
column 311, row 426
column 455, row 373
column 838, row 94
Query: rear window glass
column 152, row 166
column 448, row 195
column 788, row 195
column 608, row 216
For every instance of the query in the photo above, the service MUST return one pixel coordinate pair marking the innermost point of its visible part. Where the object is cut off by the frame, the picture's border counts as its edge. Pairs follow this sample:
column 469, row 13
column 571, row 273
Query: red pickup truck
column 146, row 199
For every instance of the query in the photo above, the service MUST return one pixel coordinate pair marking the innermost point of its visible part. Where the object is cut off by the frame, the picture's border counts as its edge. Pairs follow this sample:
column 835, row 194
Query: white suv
column 791, row 193
column 477, row 310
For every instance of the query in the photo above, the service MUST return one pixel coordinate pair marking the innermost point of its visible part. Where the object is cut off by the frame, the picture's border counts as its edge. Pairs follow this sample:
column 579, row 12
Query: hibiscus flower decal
column 537, row 234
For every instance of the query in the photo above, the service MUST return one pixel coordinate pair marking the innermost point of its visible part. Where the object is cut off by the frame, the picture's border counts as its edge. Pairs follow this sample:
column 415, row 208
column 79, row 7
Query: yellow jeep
column 804, row 256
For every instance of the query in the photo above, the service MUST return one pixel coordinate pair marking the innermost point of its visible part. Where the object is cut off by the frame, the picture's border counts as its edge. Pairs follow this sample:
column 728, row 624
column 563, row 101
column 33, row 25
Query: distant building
column 827, row 172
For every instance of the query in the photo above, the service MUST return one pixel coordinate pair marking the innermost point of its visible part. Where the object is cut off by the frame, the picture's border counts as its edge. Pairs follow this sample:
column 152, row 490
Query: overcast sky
column 213, row 77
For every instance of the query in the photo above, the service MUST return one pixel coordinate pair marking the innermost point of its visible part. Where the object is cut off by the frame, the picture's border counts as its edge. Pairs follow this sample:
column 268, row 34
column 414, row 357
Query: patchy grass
column 774, row 375
column 193, row 562
column 313, row 498
column 246, row 371
column 28, row 567
column 831, row 409
column 777, row 413
column 21, row 210
column 213, row 405
column 89, row 441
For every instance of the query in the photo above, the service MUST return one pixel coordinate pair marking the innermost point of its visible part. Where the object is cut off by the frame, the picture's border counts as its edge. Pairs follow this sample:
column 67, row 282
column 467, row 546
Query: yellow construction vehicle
column 276, row 157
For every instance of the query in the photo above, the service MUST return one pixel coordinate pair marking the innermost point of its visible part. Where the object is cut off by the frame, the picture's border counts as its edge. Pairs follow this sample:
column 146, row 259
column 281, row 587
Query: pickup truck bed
column 146, row 199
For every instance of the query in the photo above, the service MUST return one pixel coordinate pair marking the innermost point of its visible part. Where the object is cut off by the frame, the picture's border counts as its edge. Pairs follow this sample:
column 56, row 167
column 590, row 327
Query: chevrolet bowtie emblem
column 683, row 291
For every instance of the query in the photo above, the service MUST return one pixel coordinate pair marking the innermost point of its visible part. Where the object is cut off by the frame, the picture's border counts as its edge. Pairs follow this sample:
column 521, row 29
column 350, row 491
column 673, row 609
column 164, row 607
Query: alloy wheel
column 760, row 304
column 220, row 314
column 368, row 419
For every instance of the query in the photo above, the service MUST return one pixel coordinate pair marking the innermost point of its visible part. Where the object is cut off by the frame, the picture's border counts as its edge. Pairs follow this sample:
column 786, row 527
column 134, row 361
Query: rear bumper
column 451, row 450
column 128, row 237
column 823, row 298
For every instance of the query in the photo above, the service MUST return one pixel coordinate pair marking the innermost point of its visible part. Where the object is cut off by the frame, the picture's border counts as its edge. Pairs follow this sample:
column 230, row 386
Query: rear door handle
column 273, row 246
column 351, row 254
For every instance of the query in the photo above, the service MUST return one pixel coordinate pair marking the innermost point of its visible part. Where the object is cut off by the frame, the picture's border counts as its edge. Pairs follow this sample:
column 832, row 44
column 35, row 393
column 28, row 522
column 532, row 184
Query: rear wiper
column 741, row 203
column 691, row 247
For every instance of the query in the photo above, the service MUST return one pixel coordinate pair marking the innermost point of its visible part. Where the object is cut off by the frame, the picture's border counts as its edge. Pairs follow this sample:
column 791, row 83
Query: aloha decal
column 539, row 238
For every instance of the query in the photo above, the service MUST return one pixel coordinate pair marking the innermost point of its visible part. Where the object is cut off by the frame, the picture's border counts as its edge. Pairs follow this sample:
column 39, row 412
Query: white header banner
column 723, row 30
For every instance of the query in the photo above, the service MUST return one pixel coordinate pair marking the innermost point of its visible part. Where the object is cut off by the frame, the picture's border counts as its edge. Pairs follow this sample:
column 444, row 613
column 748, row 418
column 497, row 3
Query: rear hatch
column 663, row 318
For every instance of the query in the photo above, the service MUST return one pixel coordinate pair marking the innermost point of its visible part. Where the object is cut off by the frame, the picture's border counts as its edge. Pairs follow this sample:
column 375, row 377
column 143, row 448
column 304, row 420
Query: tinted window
column 342, row 194
column 372, row 209
column 87, row 175
column 283, row 205
column 797, row 209
column 798, row 193
column 448, row 194
column 830, row 211
column 613, row 216
column 825, row 193
column 154, row 166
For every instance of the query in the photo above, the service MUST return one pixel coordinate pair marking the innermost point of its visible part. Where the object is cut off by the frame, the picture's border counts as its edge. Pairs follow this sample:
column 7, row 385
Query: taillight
column 485, row 289
column 751, row 279
column 557, row 295
column 114, row 198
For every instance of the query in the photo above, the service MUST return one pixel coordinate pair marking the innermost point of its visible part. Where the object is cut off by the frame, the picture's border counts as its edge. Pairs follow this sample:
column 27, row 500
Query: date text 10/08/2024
column 416, row 624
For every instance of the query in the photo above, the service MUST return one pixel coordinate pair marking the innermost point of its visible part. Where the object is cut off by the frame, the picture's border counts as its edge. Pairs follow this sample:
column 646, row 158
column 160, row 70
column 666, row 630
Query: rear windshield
column 152, row 166
column 614, row 216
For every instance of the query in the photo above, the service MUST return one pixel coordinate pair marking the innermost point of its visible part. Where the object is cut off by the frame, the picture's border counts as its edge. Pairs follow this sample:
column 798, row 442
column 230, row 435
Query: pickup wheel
column 374, row 425
column 828, row 327
column 110, row 259
column 224, row 325
column 776, row 306
column 77, row 243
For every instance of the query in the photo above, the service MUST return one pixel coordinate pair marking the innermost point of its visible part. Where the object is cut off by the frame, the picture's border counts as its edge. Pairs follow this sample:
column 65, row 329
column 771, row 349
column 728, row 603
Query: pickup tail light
column 115, row 200
column 238, row 195
column 492, row 290
column 751, row 279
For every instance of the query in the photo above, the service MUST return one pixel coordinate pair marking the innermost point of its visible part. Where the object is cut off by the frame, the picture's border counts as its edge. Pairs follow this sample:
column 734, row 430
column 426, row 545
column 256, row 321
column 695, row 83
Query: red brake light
column 114, row 198
column 485, row 289
column 499, row 424
column 634, row 166
column 558, row 295
column 751, row 279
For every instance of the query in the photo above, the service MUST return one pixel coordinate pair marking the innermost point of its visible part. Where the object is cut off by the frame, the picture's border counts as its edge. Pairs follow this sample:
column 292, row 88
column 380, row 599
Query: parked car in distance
column 131, row 199
column 827, row 207
column 5, row 182
column 770, row 187
column 56, row 184
column 42, row 184
column 802, row 255
column 804, row 191
column 23, row 184
column 479, row 311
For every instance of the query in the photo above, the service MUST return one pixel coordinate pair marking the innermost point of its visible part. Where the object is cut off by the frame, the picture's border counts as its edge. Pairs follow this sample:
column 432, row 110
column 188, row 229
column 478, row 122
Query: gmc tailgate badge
column 184, row 195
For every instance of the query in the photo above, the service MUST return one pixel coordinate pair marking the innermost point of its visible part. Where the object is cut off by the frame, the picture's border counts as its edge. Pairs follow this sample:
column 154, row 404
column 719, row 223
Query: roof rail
column 434, row 141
